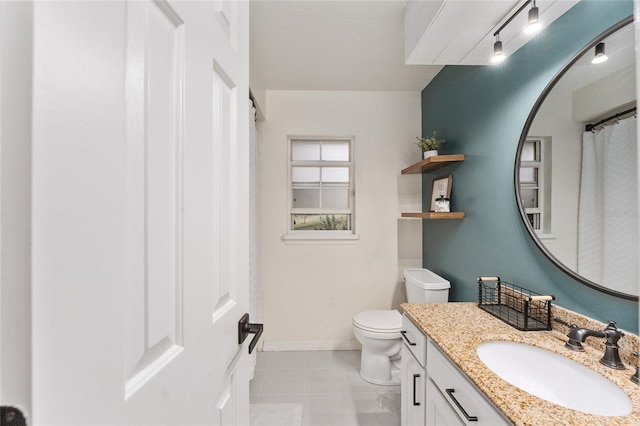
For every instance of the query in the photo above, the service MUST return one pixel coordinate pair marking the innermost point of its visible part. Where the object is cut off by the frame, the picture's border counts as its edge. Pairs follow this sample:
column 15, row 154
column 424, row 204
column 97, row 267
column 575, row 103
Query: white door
column 140, row 212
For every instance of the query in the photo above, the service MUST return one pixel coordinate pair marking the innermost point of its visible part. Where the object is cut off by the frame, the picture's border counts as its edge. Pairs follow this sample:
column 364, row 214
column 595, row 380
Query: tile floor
column 329, row 387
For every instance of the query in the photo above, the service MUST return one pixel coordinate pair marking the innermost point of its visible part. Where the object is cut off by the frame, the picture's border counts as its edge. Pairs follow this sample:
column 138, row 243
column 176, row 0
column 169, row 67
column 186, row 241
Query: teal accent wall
column 481, row 112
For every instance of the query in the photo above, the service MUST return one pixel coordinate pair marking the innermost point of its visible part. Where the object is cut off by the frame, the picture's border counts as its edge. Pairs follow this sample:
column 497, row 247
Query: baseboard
column 320, row 345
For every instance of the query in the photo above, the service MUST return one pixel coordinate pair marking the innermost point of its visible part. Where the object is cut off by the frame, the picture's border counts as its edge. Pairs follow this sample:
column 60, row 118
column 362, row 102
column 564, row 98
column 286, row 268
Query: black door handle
column 11, row 416
column 415, row 376
column 246, row 328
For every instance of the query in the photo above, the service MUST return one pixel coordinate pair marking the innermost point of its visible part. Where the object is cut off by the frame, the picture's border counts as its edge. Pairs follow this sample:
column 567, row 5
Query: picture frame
column 440, row 186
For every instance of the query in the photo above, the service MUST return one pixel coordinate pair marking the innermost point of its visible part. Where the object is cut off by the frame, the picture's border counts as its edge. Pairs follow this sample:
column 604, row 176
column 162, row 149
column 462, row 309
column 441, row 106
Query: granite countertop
column 458, row 329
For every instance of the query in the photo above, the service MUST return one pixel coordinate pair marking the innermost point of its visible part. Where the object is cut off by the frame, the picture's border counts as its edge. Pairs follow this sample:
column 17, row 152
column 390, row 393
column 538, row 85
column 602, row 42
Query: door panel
column 224, row 139
column 154, row 106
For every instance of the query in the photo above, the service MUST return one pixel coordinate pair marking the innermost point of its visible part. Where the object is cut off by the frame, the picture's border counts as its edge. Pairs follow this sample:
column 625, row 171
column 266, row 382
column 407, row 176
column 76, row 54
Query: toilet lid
column 381, row 321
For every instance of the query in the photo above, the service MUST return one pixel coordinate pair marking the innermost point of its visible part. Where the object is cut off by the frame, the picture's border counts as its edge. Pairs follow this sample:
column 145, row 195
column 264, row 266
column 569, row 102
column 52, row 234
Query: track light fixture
column 533, row 25
column 498, row 56
column 600, row 56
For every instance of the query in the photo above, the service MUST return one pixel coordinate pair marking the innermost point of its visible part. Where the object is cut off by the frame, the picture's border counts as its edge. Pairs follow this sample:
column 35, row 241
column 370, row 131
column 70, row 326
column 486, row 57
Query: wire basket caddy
column 523, row 309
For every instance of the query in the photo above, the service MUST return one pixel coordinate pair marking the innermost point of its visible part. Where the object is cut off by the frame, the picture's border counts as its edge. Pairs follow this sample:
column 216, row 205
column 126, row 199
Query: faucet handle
column 636, row 377
column 612, row 325
column 611, row 356
column 612, row 333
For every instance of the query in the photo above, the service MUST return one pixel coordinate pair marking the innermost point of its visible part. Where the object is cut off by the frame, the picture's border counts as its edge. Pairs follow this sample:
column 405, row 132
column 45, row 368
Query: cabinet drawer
column 438, row 410
column 465, row 399
column 414, row 339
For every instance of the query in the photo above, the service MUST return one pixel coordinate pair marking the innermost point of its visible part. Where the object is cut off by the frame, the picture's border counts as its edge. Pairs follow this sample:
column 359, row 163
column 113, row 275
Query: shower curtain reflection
column 608, row 211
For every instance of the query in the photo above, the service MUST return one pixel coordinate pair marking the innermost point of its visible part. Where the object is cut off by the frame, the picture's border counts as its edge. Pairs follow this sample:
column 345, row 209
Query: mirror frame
column 523, row 136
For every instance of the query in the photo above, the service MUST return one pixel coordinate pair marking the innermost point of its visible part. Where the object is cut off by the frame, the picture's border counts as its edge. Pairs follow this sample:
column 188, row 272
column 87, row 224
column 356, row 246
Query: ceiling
column 620, row 48
column 333, row 45
column 361, row 44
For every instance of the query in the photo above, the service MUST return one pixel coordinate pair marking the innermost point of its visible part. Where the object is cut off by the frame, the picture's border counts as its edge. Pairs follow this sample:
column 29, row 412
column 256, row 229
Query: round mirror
column 576, row 171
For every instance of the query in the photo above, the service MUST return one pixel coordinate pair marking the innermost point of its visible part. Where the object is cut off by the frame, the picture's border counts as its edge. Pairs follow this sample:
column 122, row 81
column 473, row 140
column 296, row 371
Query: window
column 535, row 179
column 321, row 190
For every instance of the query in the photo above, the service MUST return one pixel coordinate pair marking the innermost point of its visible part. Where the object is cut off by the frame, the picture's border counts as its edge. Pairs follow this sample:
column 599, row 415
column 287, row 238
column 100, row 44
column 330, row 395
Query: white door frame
column 16, row 36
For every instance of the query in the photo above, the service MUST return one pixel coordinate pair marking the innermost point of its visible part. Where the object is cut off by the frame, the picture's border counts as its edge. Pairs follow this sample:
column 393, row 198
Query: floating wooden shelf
column 427, row 165
column 434, row 215
column 433, row 163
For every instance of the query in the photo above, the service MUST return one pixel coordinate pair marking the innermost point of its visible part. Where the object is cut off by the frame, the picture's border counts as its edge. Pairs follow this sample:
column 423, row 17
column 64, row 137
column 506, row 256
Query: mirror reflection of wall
column 575, row 210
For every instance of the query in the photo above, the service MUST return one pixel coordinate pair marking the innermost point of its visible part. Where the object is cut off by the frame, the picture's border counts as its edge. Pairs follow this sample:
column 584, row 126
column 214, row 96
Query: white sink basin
column 554, row 378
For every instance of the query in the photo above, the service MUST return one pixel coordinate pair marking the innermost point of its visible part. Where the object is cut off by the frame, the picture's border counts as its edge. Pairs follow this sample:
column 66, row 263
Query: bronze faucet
column 611, row 358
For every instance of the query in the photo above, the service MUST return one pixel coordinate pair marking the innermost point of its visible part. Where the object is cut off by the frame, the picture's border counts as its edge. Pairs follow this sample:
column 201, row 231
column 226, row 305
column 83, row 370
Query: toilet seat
column 378, row 321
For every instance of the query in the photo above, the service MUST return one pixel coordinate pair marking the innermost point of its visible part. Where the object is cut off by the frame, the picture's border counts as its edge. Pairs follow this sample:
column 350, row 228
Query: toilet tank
column 422, row 286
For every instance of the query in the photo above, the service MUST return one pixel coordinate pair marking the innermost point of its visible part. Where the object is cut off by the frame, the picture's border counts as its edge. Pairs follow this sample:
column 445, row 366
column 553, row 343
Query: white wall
column 605, row 96
column 554, row 120
column 311, row 291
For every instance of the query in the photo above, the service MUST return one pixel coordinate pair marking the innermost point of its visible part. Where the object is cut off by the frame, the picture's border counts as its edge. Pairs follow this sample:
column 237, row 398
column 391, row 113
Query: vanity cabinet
column 451, row 399
column 428, row 165
column 414, row 377
column 434, row 391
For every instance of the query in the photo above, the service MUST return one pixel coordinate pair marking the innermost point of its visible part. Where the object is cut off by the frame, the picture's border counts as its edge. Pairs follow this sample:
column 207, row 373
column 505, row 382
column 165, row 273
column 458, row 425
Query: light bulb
column 534, row 24
column 600, row 56
column 498, row 56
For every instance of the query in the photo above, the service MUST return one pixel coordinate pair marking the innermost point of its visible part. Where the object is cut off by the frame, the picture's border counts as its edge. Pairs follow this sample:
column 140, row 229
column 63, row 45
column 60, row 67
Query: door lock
column 246, row 328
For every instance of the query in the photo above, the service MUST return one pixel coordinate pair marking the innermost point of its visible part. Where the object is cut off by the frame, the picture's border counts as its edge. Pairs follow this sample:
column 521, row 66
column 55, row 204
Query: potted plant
column 429, row 146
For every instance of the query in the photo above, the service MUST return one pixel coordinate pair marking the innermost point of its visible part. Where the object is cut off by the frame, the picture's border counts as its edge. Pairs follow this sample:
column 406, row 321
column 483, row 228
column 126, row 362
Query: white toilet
column 379, row 331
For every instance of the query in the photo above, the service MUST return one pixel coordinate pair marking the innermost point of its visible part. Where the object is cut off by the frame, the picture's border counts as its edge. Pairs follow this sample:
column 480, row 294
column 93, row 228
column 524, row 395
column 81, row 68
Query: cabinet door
column 438, row 410
column 467, row 401
column 413, row 390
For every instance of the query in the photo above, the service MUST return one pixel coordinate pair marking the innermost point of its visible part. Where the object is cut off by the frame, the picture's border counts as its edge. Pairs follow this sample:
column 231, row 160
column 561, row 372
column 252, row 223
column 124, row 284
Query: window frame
column 302, row 235
column 543, row 167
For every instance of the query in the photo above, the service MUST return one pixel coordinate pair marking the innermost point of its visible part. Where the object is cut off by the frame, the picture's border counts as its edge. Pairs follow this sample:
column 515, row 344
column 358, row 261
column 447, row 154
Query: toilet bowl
column 378, row 331
column 379, row 334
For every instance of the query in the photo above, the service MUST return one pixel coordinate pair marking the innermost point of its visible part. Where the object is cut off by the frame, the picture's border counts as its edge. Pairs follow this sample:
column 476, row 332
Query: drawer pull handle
column 415, row 376
column 404, row 336
column 455, row 401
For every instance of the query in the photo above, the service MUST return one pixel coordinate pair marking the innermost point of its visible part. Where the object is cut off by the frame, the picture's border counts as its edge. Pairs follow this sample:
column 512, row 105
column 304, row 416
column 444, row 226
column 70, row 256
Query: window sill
column 311, row 238
column 546, row 236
